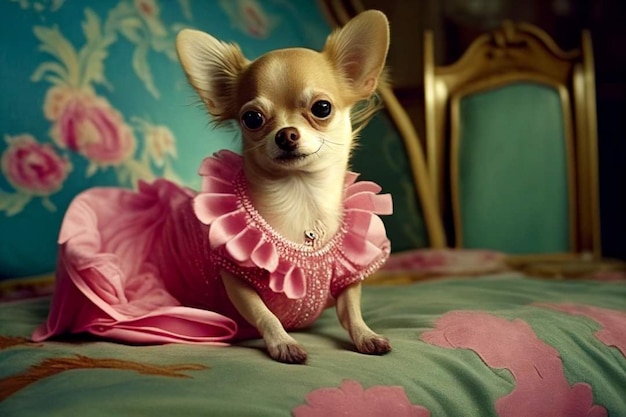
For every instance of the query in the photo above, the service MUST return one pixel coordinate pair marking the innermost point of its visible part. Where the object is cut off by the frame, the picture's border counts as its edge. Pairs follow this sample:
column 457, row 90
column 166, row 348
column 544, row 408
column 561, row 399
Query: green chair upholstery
column 381, row 156
column 514, row 179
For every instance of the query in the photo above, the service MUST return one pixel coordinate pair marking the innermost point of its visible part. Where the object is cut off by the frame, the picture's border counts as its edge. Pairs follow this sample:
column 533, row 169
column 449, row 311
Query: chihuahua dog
column 294, row 107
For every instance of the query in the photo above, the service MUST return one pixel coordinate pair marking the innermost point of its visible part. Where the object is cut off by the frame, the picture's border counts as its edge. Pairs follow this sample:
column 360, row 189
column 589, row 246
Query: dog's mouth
column 290, row 157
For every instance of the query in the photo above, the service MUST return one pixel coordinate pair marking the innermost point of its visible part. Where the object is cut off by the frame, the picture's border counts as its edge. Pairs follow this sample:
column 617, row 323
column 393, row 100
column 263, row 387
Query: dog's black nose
column 287, row 138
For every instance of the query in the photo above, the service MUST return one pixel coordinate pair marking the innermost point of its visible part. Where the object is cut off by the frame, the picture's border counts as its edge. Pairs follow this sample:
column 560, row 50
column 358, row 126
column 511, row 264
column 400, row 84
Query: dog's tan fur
column 301, row 189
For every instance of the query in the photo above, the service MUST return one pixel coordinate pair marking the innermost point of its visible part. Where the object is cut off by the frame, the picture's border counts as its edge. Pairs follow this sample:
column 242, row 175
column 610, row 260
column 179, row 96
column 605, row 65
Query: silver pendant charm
column 309, row 237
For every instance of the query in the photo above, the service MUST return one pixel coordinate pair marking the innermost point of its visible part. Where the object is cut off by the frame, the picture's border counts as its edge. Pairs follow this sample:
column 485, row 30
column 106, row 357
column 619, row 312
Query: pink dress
column 143, row 267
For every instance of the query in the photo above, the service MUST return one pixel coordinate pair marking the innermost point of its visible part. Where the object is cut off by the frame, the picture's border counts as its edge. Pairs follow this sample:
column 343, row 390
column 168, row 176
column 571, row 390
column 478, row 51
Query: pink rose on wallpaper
column 33, row 167
column 87, row 124
column 350, row 399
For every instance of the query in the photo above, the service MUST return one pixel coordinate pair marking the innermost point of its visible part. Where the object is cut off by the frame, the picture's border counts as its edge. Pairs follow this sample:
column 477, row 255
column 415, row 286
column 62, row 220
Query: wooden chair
column 512, row 143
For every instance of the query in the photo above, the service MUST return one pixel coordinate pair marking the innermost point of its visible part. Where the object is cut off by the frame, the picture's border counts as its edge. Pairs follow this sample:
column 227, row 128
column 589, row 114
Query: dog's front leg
column 247, row 301
column 349, row 313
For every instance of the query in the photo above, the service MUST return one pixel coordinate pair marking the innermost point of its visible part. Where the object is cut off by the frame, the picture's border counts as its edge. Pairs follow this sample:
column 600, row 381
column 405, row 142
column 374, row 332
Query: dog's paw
column 373, row 344
column 291, row 353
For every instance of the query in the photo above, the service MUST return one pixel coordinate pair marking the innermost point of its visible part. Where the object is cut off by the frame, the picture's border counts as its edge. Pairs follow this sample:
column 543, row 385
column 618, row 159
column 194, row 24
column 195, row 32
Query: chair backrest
column 512, row 144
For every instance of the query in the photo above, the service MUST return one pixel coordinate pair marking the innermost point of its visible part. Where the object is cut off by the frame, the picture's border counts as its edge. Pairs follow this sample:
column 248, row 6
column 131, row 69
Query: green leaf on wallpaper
column 93, row 67
column 56, row 5
column 91, row 169
column 13, row 203
column 138, row 171
column 170, row 174
column 142, row 69
column 48, row 204
column 92, row 55
column 164, row 45
column 132, row 29
column 92, row 27
column 185, row 8
column 55, row 44
column 177, row 27
column 57, row 74
column 123, row 175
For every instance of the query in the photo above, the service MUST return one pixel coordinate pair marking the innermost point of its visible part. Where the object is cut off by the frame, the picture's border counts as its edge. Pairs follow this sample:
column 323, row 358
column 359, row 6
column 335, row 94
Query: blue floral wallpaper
column 92, row 94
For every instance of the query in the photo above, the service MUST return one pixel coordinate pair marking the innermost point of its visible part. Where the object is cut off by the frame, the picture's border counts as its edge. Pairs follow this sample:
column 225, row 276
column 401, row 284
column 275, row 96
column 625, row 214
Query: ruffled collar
column 238, row 228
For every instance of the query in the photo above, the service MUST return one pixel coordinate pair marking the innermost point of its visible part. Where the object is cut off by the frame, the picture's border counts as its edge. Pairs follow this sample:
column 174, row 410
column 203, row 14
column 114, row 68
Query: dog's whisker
column 333, row 142
column 326, row 139
column 254, row 148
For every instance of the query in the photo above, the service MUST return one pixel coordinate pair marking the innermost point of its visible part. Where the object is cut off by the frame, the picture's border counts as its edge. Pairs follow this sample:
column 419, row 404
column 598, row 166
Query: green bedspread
column 495, row 345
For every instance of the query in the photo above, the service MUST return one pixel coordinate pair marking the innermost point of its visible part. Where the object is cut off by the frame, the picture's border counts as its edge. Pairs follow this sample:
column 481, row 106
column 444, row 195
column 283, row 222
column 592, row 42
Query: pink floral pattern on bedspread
column 351, row 400
column 541, row 387
column 447, row 262
column 612, row 321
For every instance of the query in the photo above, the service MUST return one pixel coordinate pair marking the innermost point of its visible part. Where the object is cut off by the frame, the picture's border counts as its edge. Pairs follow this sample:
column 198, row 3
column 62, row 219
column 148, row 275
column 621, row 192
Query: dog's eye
column 252, row 120
column 321, row 109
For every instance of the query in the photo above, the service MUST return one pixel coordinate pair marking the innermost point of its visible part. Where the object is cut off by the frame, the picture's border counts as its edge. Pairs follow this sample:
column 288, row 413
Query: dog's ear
column 359, row 50
column 212, row 68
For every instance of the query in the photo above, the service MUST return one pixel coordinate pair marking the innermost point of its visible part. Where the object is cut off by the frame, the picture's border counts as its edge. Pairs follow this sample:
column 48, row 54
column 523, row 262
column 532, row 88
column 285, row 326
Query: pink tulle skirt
column 134, row 266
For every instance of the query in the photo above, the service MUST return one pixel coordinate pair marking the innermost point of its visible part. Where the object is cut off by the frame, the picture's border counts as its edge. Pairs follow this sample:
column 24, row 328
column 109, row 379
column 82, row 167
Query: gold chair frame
column 517, row 52
column 338, row 13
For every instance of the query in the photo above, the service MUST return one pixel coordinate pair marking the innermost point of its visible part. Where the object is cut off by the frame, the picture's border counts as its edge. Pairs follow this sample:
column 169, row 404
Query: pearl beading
column 326, row 267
